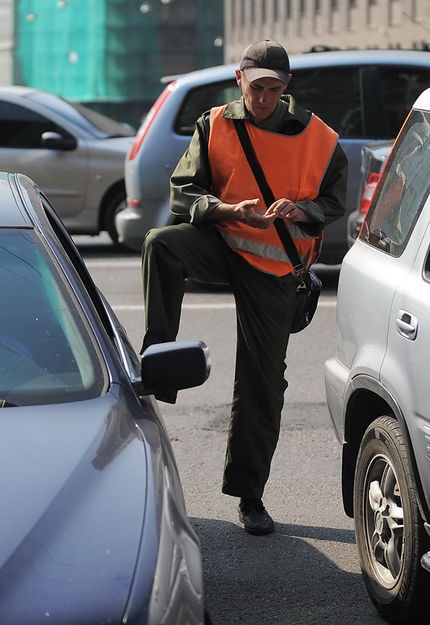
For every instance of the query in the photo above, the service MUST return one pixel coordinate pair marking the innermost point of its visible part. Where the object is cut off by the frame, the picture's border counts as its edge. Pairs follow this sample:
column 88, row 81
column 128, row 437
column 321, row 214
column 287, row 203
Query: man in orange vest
column 230, row 238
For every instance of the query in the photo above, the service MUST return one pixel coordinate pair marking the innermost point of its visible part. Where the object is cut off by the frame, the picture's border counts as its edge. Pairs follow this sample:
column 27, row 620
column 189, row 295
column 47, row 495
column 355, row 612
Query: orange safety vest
column 294, row 166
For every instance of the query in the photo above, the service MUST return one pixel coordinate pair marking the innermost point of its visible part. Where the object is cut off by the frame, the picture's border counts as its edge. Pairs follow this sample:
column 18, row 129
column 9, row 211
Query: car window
column 22, row 128
column 332, row 93
column 201, row 99
column 400, row 87
column 111, row 323
column 47, row 353
column 403, row 190
column 70, row 250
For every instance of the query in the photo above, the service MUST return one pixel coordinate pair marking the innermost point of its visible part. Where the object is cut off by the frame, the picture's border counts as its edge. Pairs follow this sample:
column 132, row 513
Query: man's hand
column 287, row 210
column 245, row 211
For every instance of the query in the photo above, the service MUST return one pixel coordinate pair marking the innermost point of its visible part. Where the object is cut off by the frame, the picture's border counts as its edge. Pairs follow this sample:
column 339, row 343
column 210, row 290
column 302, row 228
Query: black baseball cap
column 265, row 59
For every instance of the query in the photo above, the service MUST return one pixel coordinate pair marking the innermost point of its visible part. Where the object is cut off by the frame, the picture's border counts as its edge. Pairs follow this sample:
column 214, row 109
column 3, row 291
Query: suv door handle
column 407, row 325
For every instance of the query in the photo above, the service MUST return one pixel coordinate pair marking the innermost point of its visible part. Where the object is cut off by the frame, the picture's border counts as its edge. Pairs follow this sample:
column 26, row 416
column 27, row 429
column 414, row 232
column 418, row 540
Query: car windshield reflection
column 47, row 354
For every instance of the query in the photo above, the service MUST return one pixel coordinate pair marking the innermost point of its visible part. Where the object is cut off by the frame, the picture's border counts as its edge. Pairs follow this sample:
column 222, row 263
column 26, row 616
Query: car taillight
column 368, row 191
column 152, row 113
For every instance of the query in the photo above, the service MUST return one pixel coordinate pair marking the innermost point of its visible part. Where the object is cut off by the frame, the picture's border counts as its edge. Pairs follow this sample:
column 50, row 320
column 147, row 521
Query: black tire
column 389, row 529
column 114, row 205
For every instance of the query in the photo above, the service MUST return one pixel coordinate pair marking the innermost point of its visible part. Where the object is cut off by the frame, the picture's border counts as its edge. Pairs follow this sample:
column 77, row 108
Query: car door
column 404, row 369
column 385, row 252
column 60, row 172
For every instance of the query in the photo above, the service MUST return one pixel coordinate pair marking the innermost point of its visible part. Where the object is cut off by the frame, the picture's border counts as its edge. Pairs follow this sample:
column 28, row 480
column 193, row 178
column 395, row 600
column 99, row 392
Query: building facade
column 306, row 24
column 7, row 41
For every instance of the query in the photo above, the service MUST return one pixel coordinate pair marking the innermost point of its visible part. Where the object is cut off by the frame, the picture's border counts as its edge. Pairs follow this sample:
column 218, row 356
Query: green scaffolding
column 88, row 50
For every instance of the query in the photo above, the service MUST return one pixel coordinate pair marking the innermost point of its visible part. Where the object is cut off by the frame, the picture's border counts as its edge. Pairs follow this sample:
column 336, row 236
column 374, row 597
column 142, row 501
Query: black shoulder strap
column 268, row 196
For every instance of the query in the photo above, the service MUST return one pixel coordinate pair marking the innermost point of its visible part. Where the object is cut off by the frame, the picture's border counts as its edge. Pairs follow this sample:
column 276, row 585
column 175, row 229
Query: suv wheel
column 389, row 530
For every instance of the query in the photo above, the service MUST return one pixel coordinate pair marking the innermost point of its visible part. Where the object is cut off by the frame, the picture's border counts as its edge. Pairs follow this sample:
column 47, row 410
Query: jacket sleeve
column 190, row 183
column 330, row 203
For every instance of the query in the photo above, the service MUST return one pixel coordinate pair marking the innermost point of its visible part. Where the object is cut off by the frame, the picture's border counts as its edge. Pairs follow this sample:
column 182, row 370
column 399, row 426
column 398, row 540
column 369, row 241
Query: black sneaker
column 255, row 518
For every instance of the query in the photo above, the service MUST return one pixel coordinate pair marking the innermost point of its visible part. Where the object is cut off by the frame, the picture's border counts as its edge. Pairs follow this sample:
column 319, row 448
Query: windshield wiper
column 7, row 404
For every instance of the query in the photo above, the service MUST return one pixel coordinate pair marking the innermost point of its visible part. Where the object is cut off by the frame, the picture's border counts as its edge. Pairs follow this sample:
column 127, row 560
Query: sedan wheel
column 389, row 528
column 116, row 204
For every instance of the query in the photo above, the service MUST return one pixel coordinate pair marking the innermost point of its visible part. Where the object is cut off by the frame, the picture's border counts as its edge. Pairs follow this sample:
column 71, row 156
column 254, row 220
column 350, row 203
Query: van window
column 202, row 99
column 332, row 93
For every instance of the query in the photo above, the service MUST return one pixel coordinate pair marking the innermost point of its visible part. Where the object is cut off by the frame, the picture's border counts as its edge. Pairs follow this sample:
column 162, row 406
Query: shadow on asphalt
column 280, row 579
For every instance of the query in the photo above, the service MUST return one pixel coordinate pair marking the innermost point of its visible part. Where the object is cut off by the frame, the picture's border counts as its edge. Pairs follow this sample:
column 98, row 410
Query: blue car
column 92, row 516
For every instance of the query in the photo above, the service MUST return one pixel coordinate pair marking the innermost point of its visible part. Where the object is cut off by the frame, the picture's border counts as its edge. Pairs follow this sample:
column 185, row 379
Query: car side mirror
column 55, row 141
column 175, row 365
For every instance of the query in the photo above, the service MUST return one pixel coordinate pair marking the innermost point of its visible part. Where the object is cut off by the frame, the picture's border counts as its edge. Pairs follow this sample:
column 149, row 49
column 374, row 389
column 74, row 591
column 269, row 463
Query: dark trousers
column 264, row 311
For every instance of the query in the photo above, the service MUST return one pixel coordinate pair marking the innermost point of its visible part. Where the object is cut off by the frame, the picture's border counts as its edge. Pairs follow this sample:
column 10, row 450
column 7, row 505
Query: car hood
column 73, row 483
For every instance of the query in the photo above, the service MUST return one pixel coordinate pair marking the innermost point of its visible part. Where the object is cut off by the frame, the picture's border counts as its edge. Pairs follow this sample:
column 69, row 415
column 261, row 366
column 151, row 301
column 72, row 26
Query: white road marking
column 324, row 303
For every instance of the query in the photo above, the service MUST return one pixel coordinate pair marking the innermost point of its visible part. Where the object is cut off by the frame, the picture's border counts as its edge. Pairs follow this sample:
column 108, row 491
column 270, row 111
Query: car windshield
column 47, row 353
column 403, row 189
column 106, row 124
column 99, row 125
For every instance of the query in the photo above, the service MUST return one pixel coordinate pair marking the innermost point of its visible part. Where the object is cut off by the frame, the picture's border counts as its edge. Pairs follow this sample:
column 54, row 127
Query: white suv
column 377, row 387
column 363, row 94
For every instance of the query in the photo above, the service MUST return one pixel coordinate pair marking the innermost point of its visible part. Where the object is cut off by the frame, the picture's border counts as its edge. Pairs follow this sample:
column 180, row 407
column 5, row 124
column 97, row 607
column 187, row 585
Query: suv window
column 202, row 99
column 403, row 190
column 400, row 87
column 22, row 128
column 318, row 90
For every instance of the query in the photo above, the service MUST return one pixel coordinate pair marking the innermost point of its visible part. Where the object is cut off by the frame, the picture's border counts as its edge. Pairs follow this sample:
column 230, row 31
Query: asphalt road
column 307, row 572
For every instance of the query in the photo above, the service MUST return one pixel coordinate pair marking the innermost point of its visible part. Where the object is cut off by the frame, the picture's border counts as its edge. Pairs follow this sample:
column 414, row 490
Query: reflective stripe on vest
column 291, row 176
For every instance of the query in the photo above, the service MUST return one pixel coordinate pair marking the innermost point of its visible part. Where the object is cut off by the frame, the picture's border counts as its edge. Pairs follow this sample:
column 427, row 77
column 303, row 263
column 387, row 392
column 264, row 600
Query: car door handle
column 407, row 325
